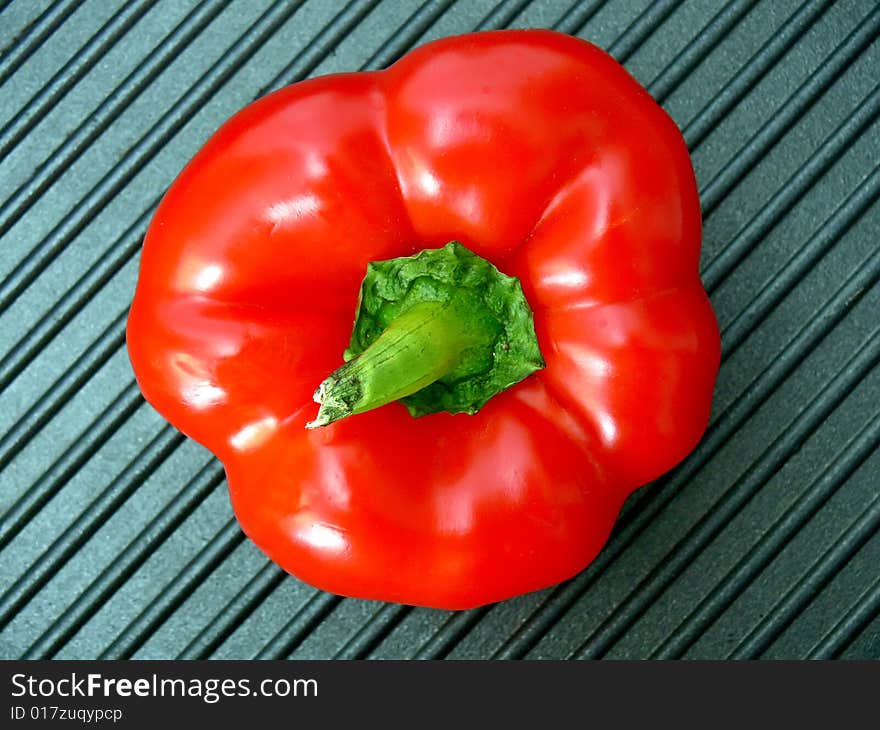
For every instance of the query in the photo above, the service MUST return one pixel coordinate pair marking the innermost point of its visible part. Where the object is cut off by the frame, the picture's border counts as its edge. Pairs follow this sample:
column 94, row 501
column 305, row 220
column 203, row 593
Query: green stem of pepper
column 420, row 346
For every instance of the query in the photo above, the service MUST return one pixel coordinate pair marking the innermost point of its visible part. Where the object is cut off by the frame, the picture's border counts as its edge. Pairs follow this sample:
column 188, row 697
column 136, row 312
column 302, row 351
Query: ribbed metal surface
column 116, row 535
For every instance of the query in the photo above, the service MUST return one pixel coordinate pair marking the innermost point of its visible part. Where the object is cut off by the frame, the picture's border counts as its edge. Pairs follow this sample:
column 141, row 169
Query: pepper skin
column 535, row 150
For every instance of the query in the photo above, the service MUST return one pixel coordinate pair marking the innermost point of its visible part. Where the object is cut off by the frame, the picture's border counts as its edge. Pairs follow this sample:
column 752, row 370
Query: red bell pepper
column 540, row 156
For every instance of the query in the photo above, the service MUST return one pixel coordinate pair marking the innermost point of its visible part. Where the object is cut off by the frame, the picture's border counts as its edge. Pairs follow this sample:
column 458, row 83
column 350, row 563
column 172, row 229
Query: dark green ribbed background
column 117, row 539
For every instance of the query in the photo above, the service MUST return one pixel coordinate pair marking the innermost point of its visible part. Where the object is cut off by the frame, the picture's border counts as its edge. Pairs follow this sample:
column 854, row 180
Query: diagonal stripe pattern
column 116, row 538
